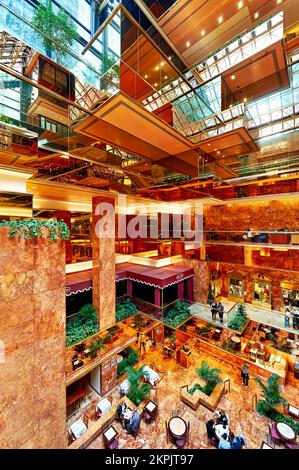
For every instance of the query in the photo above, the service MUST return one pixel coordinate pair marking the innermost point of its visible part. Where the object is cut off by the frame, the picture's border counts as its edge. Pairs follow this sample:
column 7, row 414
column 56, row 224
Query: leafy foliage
column 84, row 324
column 32, row 229
column 124, row 309
column 95, row 346
column 270, row 393
column 5, row 119
column 177, row 314
column 130, row 360
column 58, row 26
column 239, row 321
column 138, row 391
column 210, row 375
column 271, row 399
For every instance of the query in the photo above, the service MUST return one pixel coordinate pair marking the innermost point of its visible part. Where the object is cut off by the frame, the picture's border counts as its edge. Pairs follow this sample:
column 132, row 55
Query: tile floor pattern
column 238, row 405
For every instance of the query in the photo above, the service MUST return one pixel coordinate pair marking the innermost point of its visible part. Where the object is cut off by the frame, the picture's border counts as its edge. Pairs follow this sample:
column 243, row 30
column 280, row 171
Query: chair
column 113, row 445
column 262, row 336
column 291, row 445
column 147, row 417
column 180, row 443
column 175, row 413
column 273, row 434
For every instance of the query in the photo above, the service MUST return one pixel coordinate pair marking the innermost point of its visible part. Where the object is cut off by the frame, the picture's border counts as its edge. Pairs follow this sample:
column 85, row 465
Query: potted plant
column 57, row 26
column 210, row 375
column 5, row 132
column 138, row 391
column 95, row 346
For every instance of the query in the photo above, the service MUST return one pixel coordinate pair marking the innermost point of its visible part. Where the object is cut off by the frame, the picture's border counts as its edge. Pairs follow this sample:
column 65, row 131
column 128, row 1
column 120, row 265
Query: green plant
column 137, row 391
column 210, row 376
column 241, row 309
column 32, row 229
column 124, row 309
column 238, row 322
column 84, row 324
column 131, row 358
column 270, row 395
column 5, row 119
column 95, row 346
column 177, row 314
column 58, row 26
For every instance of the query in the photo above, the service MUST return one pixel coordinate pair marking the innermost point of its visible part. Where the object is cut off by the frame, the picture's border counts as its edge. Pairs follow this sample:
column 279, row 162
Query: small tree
column 137, row 391
column 58, row 26
column 210, row 375
column 271, row 396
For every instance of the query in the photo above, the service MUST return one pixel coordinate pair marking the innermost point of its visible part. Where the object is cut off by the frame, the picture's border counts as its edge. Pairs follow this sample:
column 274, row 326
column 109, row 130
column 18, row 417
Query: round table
column 177, row 427
column 220, row 430
column 285, row 432
column 235, row 339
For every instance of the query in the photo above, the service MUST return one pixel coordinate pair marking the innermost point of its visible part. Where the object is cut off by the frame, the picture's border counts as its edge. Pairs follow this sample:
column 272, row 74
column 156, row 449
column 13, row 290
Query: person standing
column 214, row 309
column 287, row 315
column 245, row 374
column 220, row 309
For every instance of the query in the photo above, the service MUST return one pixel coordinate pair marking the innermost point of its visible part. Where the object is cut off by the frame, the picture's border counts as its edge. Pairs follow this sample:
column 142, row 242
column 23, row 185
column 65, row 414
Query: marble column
column 32, row 329
column 103, row 256
column 66, row 217
column 248, row 289
column 276, row 295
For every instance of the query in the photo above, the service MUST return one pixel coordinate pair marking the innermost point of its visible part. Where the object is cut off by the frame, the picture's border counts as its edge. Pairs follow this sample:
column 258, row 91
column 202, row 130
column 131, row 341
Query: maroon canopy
column 156, row 277
column 78, row 282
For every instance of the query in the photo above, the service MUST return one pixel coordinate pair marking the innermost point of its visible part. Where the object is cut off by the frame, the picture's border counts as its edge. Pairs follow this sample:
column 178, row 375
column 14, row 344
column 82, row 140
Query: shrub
column 124, row 309
column 137, row 391
column 210, row 376
column 84, row 324
column 239, row 321
column 131, row 357
column 177, row 314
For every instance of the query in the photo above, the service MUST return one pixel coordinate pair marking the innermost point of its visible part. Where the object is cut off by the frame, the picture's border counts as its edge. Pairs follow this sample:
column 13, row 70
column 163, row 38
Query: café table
column 151, row 408
column 285, row 432
column 151, row 375
column 103, row 406
column 220, row 430
column 177, row 427
column 124, row 386
column 109, row 435
column 78, row 428
column 236, row 341
column 293, row 411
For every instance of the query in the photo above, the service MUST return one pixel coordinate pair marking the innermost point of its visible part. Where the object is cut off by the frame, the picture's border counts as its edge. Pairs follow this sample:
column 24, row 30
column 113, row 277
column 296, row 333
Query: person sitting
column 222, row 418
column 210, row 425
column 133, row 425
column 121, row 409
column 237, row 442
column 224, row 442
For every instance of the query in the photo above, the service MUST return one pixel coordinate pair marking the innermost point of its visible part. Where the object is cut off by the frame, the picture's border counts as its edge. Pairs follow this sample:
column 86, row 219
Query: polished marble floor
column 237, row 403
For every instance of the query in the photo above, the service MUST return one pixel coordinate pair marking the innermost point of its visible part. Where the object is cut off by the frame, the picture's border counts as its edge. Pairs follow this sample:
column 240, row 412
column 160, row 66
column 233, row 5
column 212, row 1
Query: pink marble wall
column 32, row 326
column 103, row 273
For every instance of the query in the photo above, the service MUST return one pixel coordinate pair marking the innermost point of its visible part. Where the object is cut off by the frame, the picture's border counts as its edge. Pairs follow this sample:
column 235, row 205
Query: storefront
column 290, row 293
column 236, row 281
column 262, row 291
column 215, row 283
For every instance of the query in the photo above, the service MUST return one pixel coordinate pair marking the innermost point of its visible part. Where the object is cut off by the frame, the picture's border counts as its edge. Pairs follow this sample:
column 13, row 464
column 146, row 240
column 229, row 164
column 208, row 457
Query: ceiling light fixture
column 278, row 2
column 245, row 100
column 203, row 32
column 256, row 15
column 162, row 63
column 240, row 5
column 220, row 19
column 145, row 76
column 157, row 68
column 165, row 78
column 233, row 77
column 188, row 44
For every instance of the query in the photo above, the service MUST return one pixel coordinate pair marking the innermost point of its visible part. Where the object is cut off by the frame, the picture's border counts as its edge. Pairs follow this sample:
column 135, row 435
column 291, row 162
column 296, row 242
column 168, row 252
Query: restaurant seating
column 291, row 445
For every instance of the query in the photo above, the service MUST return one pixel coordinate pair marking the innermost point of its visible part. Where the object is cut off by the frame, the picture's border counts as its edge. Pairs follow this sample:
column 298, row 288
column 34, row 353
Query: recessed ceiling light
column 220, row 19
column 240, row 5
column 156, row 84
column 145, row 76
column 215, row 150
column 165, row 78
column 222, row 156
column 203, row 32
column 209, row 145
column 256, row 15
column 233, row 77
column 245, row 99
column 188, row 44
column 169, row 57
column 278, row 2
column 218, row 151
column 162, row 63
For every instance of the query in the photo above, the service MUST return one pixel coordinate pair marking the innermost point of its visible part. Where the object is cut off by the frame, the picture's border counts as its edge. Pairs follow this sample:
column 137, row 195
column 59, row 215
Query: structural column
column 32, row 331
column 103, row 256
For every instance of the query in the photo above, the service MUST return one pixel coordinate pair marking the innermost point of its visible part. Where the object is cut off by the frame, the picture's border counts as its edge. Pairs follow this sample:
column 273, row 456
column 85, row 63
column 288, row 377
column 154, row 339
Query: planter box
column 200, row 398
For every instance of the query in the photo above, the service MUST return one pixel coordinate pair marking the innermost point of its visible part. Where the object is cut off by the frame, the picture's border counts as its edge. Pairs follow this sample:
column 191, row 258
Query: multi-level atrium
column 149, row 230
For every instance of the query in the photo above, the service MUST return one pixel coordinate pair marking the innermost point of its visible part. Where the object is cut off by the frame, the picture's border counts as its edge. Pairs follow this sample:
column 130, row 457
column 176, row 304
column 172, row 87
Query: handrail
column 226, row 388
column 254, row 402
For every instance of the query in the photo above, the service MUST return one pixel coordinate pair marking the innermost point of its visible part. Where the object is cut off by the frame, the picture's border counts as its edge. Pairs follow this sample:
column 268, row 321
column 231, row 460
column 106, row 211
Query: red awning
column 78, row 282
column 156, row 277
